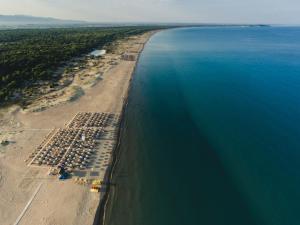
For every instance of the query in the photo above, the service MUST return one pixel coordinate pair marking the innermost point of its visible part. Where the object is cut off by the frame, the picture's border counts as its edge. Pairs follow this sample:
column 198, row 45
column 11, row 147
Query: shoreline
column 18, row 180
column 101, row 214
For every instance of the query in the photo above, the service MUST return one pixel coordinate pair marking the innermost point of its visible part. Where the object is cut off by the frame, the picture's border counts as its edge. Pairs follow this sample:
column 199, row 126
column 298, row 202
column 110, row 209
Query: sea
column 211, row 133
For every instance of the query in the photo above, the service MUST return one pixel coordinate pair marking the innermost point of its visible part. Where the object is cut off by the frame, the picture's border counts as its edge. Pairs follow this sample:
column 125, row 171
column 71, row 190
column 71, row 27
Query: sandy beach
column 28, row 195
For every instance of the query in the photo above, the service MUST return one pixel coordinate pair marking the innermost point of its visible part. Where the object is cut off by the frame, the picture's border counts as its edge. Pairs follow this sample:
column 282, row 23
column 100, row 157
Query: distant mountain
column 9, row 20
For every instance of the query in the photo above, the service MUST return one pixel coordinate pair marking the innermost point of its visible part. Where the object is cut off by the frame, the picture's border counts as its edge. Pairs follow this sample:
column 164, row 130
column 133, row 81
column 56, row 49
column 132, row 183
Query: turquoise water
column 212, row 130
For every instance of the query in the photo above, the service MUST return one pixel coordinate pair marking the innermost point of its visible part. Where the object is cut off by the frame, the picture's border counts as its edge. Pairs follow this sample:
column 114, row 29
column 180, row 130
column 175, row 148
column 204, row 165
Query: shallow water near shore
column 211, row 131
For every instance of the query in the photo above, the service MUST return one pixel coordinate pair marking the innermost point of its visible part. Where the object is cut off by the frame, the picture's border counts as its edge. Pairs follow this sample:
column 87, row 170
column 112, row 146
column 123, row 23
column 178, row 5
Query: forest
column 28, row 56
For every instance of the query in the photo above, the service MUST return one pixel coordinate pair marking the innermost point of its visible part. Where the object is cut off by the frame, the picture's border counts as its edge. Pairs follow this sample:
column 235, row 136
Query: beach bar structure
column 129, row 56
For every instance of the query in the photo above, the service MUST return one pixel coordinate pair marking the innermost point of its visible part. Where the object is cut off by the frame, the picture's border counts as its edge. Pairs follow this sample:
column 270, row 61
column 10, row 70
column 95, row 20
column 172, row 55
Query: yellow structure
column 96, row 185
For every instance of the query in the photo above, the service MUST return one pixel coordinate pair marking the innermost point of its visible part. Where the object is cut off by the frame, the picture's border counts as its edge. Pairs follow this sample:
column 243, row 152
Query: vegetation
column 29, row 56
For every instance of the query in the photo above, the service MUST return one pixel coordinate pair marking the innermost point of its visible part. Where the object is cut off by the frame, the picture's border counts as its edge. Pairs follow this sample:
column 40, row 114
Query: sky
column 196, row 11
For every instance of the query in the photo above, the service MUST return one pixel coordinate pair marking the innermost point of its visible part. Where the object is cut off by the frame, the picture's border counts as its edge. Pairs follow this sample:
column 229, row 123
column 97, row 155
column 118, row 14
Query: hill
column 25, row 20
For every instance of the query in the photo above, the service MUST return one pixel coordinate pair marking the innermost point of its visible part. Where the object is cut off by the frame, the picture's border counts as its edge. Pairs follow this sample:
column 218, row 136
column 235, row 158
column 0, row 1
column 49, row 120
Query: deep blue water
column 212, row 130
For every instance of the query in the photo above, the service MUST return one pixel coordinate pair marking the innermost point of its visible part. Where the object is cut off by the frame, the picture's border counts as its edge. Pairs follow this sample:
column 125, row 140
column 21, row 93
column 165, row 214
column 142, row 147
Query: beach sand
column 28, row 195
